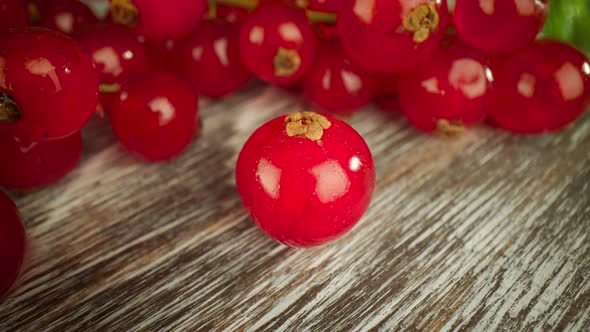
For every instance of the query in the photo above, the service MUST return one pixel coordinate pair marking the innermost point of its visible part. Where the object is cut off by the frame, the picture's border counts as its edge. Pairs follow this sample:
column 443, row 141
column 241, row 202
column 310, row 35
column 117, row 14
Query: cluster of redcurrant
column 305, row 178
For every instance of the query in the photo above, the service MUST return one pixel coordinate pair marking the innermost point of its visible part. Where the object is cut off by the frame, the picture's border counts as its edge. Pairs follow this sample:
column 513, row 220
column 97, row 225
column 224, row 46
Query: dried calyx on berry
column 422, row 21
column 124, row 12
column 9, row 111
column 306, row 124
column 286, row 62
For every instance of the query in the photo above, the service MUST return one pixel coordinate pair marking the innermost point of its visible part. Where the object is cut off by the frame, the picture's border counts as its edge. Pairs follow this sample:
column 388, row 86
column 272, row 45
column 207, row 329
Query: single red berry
column 449, row 92
column 12, row 244
column 48, row 86
column 231, row 14
column 499, row 25
column 543, row 87
column 157, row 19
column 156, row 116
column 277, row 43
column 13, row 14
column 116, row 51
column 30, row 165
column 387, row 91
column 305, row 178
column 392, row 35
column 334, row 83
column 67, row 16
column 210, row 59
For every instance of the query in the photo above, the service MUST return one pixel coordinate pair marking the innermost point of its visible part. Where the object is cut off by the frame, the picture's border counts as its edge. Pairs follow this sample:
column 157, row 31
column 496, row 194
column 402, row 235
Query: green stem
column 321, row 17
column 109, row 88
column 247, row 4
column 314, row 16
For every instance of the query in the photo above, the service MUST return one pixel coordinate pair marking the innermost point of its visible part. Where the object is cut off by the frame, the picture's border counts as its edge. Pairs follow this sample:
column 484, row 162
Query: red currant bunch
column 305, row 178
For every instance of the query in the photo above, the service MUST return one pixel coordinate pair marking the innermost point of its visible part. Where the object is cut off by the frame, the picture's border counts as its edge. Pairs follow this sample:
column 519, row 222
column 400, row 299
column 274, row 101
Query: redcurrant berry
column 543, row 87
column 159, row 20
column 156, row 116
column 277, row 43
column 13, row 14
column 29, row 165
column 392, row 35
column 67, row 16
column 12, row 244
column 305, row 178
column 334, row 83
column 499, row 25
column 210, row 59
column 449, row 92
column 48, row 86
column 116, row 51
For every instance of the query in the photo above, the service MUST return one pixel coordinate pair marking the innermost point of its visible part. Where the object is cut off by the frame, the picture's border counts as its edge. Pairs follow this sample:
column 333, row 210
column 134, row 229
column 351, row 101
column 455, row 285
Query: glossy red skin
column 259, row 56
column 59, row 100
column 347, row 87
column 12, row 244
column 452, row 86
column 290, row 210
column 13, row 14
column 210, row 59
column 26, row 165
column 540, row 105
column 231, row 14
column 67, row 16
column 504, row 30
column 156, row 116
column 116, row 51
column 382, row 44
column 160, row 20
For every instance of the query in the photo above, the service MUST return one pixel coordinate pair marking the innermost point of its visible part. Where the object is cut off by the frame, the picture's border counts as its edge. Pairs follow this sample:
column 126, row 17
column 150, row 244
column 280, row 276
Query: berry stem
column 212, row 12
column 9, row 112
column 321, row 17
column 314, row 16
column 109, row 88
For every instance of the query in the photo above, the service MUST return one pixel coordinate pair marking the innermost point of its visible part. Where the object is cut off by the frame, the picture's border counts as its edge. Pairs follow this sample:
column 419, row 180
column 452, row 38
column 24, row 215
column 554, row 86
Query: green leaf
column 568, row 21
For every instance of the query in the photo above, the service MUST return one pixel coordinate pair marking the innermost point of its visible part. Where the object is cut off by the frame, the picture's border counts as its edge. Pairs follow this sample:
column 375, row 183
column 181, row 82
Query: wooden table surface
column 488, row 231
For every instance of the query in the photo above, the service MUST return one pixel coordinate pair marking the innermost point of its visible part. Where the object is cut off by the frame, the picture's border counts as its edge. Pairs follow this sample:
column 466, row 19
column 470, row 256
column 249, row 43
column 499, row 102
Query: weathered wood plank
column 489, row 231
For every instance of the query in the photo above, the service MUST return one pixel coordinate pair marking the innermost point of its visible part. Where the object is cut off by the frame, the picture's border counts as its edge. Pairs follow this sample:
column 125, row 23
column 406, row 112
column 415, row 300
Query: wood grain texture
column 487, row 232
